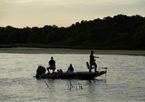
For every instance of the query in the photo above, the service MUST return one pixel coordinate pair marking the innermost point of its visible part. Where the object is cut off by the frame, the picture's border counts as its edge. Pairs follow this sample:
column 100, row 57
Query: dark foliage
column 118, row 32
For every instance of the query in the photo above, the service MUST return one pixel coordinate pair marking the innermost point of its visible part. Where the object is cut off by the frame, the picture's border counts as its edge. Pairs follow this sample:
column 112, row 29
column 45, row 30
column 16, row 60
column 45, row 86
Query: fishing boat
column 40, row 73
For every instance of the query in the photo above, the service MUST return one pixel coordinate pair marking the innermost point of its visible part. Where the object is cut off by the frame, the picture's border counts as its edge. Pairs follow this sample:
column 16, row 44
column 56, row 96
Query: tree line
column 118, row 32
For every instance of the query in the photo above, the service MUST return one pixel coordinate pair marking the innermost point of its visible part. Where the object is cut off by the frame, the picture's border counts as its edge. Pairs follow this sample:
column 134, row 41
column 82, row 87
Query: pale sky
column 63, row 13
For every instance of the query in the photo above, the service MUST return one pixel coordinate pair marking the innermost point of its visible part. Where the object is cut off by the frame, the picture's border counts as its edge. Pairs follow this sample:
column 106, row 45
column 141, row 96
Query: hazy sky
column 23, row 13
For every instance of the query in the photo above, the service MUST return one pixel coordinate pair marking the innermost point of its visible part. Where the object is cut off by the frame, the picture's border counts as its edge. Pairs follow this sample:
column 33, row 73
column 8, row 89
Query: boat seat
column 88, row 66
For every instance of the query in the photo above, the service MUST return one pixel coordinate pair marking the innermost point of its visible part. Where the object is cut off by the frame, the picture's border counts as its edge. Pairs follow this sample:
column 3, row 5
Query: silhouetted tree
column 118, row 31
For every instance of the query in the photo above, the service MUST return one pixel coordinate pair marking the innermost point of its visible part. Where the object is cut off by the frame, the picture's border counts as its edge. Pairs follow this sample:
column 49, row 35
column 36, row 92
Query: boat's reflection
column 71, row 84
column 96, row 80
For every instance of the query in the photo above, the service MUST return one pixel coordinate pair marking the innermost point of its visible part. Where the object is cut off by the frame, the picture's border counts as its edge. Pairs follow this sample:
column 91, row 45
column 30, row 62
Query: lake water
column 125, row 79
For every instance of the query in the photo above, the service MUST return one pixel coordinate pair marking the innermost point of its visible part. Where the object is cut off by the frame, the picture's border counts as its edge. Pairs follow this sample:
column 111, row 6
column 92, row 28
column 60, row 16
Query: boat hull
column 75, row 75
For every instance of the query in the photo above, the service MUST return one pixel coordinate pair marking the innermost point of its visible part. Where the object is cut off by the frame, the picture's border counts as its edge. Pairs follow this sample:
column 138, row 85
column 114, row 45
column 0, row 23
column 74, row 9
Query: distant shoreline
column 25, row 50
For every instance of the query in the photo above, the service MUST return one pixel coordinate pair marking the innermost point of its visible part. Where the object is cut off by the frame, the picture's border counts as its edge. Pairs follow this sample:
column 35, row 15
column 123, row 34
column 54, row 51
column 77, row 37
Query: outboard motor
column 40, row 70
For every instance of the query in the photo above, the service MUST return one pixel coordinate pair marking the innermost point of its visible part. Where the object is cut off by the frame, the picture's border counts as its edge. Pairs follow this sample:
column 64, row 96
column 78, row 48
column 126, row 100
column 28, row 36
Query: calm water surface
column 125, row 79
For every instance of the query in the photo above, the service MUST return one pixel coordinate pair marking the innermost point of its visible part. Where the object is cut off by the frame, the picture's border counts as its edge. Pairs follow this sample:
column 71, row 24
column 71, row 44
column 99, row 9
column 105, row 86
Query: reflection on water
column 124, row 79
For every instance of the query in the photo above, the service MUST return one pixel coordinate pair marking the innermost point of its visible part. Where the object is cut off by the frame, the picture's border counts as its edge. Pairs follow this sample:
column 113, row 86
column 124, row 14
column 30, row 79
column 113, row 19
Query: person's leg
column 90, row 67
column 48, row 69
column 53, row 70
column 95, row 65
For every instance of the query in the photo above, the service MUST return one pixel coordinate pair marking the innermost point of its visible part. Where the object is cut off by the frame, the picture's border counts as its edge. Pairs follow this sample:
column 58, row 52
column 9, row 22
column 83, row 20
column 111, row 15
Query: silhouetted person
column 92, row 62
column 51, row 65
column 70, row 69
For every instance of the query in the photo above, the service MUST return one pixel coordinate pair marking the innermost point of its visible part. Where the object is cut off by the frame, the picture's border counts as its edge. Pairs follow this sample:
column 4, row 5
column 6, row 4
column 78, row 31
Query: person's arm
column 96, row 57
column 49, row 63
column 54, row 63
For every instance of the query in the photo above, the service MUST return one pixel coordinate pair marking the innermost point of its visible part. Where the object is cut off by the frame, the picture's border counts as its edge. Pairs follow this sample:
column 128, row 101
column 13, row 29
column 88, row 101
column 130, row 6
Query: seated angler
column 51, row 64
column 70, row 69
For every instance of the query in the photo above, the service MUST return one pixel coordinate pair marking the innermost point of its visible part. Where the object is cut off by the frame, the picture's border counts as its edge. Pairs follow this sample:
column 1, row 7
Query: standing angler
column 92, row 61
